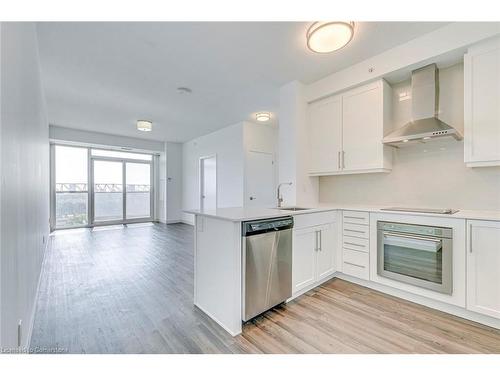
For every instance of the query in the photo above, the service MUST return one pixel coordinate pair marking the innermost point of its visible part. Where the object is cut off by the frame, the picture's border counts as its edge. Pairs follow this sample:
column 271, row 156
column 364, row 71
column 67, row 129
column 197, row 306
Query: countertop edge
column 241, row 216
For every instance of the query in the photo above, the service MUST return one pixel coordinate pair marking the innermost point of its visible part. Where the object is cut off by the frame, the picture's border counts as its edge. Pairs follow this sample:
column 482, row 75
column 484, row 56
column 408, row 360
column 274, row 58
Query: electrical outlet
column 19, row 332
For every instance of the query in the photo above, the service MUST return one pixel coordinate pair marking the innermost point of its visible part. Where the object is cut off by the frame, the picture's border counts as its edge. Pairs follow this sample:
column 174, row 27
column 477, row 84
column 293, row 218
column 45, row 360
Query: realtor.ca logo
column 34, row 350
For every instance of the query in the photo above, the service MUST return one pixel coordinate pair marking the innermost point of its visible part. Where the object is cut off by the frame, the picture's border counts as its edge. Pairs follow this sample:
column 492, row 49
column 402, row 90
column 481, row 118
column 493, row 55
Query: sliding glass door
column 138, row 193
column 107, row 190
column 121, row 188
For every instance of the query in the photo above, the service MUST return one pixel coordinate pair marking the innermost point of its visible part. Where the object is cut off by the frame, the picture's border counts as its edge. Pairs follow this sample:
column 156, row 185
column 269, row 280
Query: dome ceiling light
column 263, row 116
column 326, row 37
column 144, row 125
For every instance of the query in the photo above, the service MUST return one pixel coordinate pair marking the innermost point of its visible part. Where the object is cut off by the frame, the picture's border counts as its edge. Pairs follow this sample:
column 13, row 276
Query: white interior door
column 260, row 182
column 208, row 183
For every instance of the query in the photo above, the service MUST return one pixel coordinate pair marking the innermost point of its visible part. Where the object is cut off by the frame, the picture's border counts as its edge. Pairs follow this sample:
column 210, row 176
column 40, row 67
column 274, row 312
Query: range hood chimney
column 425, row 104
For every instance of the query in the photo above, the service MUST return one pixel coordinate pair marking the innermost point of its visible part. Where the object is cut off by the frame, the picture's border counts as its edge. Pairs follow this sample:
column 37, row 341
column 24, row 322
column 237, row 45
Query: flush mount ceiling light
column 263, row 116
column 144, row 125
column 326, row 37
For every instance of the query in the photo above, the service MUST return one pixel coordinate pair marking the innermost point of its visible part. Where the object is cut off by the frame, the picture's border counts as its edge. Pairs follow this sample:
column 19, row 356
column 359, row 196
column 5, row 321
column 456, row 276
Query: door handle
column 343, row 159
column 338, row 160
column 252, row 198
column 320, row 240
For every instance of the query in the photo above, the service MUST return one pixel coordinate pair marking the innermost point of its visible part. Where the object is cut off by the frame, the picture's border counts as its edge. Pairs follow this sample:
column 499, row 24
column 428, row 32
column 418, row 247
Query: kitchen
column 418, row 145
column 264, row 187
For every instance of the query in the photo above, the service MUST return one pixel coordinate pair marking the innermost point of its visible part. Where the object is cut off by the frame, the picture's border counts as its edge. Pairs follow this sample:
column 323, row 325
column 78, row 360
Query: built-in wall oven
column 416, row 254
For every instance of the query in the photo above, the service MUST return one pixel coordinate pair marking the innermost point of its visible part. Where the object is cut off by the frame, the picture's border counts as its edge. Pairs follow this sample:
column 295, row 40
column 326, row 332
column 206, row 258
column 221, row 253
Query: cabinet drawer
column 356, row 217
column 355, row 243
column 310, row 220
column 356, row 263
column 356, row 230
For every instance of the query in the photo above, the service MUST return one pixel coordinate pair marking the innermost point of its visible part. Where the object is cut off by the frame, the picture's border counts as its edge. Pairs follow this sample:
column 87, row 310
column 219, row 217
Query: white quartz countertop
column 247, row 214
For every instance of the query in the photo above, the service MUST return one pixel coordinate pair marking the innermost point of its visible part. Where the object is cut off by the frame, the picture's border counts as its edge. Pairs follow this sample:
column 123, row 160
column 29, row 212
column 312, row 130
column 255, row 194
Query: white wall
column 174, row 182
column 227, row 144
column 94, row 138
column 293, row 147
column 432, row 175
column 24, row 179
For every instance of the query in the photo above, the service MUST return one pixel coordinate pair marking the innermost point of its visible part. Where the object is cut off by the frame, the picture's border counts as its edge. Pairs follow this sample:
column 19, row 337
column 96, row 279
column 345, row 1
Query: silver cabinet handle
column 470, row 238
column 315, row 240
column 353, row 264
column 353, row 244
column 320, row 240
column 343, row 159
column 354, row 217
column 354, row 230
column 338, row 159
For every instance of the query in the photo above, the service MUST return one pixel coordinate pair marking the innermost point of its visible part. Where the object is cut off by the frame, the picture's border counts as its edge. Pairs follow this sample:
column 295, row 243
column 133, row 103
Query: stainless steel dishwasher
column 267, row 264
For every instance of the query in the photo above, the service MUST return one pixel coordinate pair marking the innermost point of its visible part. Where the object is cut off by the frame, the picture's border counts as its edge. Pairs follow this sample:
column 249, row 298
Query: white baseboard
column 175, row 221
column 186, row 222
column 37, row 293
column 316, row 284
column 232, row 333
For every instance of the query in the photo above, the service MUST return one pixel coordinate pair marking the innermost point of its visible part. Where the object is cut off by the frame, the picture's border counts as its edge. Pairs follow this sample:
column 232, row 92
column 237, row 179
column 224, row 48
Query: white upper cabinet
column 483, row 266
column 482, row 104
column 325, row 135
column 346, row 131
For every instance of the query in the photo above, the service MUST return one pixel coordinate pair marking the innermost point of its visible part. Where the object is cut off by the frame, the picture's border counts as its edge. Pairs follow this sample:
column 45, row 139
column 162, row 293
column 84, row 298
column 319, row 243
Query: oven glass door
column 423, row 261
column 420, row 258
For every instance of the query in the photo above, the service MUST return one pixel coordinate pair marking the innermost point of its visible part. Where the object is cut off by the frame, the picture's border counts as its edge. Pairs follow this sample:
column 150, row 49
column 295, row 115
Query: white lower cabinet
column 356, row 244
column 313, row 255
column 483, row 267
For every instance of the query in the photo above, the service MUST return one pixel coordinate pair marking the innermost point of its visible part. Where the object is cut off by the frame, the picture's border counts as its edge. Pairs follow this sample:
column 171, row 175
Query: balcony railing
column 101, row 188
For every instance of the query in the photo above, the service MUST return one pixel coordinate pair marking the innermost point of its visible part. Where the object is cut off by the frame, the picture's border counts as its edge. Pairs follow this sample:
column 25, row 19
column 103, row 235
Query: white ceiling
column 105, row 76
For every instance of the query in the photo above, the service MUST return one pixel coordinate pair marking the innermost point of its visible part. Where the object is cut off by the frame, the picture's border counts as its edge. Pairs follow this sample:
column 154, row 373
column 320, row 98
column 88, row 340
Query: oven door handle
column 392, row 234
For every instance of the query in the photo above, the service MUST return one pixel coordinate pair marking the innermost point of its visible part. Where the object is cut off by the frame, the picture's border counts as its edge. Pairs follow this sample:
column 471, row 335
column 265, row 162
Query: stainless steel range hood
column 425, row 104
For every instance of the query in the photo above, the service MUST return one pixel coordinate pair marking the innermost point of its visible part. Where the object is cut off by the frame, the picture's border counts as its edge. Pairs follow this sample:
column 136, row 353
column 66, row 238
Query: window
column 71, row 190
column 97, row 186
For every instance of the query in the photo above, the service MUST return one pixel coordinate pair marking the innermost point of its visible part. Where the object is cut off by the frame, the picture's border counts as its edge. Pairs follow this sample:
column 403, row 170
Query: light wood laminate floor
column 130, row 290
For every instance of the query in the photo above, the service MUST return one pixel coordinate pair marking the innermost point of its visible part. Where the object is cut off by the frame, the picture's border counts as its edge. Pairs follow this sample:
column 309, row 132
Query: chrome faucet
column 280, row 197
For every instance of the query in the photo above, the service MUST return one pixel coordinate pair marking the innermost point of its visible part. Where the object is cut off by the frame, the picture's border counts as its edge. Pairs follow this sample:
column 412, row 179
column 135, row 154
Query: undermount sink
column 292, row 208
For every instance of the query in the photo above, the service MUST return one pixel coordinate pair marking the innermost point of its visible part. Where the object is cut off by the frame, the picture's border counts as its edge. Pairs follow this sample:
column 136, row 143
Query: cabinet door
column 362, row 130
column 483, row 267
column 304, row 258
column 325, row 135
column 482, row 104
column 325, row 261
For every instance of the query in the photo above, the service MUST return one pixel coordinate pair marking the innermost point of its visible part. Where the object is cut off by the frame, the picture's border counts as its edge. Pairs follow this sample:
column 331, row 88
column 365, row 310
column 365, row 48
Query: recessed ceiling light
column 184, row 90
column 144, row 125
column 263, row 116
column 326, row 37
